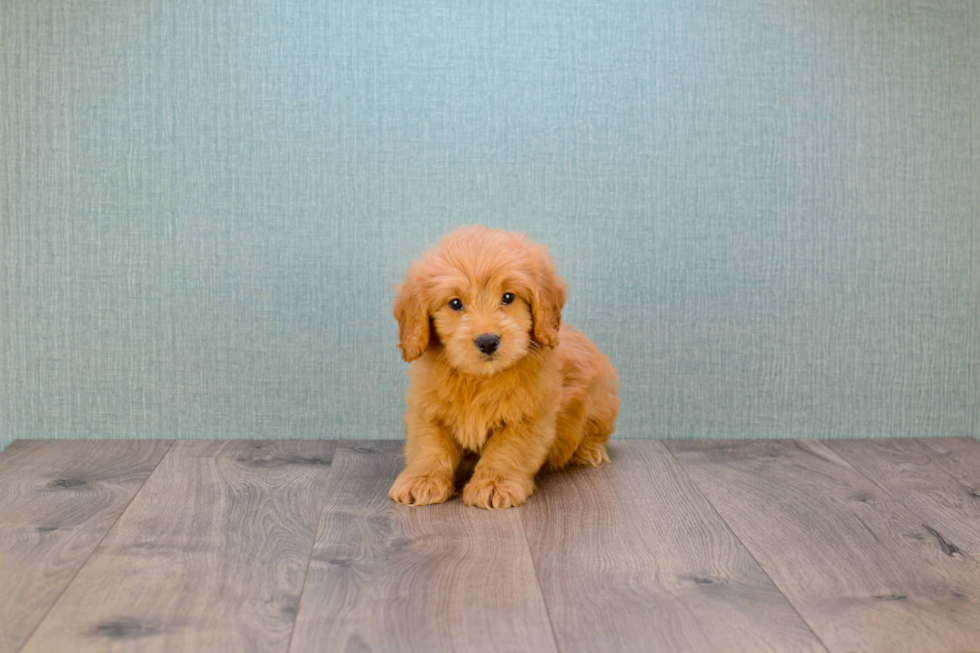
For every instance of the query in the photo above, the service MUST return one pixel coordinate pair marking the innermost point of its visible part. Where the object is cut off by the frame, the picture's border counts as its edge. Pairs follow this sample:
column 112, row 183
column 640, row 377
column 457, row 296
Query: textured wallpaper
column 767, row 211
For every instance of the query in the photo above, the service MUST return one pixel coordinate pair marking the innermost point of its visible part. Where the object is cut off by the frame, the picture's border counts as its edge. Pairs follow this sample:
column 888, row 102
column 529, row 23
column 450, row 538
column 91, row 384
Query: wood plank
column 960, row 455
column 58, row 499
column 954, row 446
column 863, row 571
column 631, row 556
column 387, row 577
column 210, row 555
column 942, row 489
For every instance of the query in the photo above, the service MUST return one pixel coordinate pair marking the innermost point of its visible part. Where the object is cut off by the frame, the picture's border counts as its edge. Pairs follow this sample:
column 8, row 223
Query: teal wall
column 767, row 211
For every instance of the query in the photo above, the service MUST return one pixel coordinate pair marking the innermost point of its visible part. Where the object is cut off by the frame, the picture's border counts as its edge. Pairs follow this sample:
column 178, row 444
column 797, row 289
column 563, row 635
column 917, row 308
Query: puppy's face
column 484, row 327
column 487, row 297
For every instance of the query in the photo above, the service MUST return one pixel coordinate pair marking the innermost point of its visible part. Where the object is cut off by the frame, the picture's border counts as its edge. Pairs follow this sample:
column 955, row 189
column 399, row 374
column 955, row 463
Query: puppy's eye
column 508, row 298
column 455, row 304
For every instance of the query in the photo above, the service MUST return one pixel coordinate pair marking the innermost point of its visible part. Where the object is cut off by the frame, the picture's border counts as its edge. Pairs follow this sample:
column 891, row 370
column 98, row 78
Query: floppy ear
column 547, row 299
column 413, row 318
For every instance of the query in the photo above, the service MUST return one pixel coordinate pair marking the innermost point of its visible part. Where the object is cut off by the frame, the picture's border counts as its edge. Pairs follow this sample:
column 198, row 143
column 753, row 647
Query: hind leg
column 592, row 450
column 569, row 431
column 598, row 427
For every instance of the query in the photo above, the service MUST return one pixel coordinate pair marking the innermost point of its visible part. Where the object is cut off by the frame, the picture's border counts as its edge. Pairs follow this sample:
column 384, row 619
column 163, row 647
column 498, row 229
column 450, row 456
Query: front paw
column 493, row 491
column 421, row 489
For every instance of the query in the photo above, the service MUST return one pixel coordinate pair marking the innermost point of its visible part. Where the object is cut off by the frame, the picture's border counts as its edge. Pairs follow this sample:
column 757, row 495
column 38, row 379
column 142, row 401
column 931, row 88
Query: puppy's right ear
column 413, row 318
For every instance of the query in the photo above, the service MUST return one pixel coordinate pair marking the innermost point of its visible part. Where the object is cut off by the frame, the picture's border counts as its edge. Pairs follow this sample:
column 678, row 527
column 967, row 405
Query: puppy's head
column 487, row 296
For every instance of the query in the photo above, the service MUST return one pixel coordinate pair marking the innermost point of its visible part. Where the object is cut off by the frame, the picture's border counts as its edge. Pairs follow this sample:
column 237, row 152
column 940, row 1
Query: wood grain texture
column 942, row 489
column 865, row 573
column 58, row 499
column 210, row 555
column 388, row 577
column 630, row 556
column 954, row 447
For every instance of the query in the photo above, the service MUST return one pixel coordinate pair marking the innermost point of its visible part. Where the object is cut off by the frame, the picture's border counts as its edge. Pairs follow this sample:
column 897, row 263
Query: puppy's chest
column 473, row 413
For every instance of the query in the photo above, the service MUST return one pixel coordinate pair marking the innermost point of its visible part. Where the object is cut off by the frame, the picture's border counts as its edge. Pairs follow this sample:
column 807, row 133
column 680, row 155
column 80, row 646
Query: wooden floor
column 858, row 545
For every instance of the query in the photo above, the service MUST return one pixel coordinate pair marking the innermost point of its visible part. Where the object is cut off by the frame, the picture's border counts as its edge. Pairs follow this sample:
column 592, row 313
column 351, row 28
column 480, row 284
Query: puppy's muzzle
column 487, row 343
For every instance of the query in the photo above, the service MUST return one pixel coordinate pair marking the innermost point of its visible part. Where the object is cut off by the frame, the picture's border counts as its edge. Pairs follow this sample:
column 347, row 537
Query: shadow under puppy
column 494, row 372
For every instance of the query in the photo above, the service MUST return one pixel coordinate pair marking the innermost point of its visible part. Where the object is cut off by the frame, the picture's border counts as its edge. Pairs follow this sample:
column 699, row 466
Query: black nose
column 487, row 343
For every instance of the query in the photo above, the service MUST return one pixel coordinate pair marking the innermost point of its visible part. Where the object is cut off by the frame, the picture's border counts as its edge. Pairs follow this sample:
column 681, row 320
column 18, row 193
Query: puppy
column 493, row 372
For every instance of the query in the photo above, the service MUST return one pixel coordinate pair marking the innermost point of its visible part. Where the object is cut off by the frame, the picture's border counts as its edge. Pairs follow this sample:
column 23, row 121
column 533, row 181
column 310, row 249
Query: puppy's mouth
column 488, row 363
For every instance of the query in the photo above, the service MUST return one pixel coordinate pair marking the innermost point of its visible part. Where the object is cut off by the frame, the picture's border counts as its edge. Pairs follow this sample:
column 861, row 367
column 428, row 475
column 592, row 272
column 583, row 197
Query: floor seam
column 316, row 535
column 105, row 535
column 745, row 546
column 912, row 511
column 537, row 581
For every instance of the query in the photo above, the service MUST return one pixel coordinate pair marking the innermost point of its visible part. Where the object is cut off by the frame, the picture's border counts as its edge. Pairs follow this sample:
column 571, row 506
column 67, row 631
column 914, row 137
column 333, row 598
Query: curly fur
column 546, row 396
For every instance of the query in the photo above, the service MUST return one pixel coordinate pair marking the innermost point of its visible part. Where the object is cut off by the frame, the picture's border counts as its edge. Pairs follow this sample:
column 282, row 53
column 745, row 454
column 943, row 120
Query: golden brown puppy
column 495, row 373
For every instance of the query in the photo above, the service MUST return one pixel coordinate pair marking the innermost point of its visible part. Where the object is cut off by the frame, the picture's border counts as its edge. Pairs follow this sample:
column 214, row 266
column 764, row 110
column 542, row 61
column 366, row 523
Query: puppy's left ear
column 413, row 317
column 547, row 300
